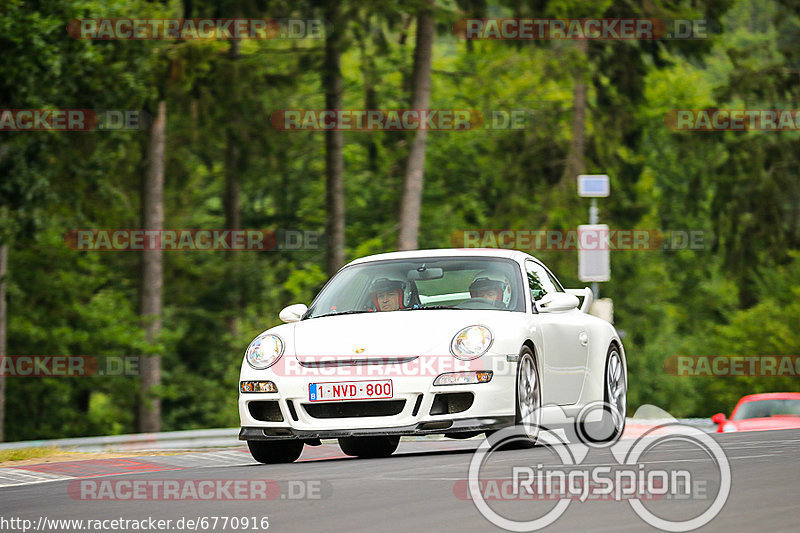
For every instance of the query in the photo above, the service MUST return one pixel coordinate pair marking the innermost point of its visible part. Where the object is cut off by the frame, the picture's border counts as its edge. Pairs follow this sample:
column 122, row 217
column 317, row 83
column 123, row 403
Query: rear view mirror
column 587, row 295
column 293, row 312
column 425, row 274
column 718, row 418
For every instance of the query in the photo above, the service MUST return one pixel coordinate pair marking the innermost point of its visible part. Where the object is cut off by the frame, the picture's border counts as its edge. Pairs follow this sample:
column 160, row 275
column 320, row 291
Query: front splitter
column 431, row 427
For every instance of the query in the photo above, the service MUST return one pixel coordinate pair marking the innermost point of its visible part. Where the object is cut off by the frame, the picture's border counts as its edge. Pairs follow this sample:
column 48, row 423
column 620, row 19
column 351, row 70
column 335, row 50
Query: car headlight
column 471, row 342
column 264, row 351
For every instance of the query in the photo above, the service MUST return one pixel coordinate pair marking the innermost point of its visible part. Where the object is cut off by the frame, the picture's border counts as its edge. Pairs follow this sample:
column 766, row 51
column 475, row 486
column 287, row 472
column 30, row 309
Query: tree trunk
column 334, row 145
column 575, row 157
column 421, row 96
column 3, row 313
column 370, row 94
column 233, row 216
column 152, row 273
column 233, row 221
column 3, row 319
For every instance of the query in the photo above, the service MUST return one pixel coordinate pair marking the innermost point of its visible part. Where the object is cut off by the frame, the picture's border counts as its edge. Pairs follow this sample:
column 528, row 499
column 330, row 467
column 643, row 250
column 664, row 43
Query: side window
column 540, row 281
column 556, row 284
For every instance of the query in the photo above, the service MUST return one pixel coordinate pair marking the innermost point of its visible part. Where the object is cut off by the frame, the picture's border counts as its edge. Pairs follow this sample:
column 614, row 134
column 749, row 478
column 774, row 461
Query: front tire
column 528, row 399
column 275, row 451
column 369, row 447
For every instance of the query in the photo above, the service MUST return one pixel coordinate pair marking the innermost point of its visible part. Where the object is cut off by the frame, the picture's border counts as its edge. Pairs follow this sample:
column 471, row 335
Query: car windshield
column 767, row 408
column 420, row 284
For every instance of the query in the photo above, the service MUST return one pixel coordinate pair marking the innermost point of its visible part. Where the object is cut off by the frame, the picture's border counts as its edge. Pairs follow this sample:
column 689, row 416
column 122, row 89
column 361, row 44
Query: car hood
column 381, row 335
column 763, row 424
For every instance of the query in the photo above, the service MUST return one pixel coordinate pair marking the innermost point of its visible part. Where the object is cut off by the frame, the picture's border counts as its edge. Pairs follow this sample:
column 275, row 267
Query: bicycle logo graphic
column 627, row 479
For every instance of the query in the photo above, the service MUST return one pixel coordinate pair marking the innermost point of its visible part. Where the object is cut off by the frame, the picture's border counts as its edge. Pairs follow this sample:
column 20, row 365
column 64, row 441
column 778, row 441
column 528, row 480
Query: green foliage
column 737, row 295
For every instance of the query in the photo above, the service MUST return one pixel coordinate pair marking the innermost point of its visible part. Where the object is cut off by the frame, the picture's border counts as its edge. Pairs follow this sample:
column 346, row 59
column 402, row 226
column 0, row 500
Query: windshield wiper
column 431, row 307
column 354, row 312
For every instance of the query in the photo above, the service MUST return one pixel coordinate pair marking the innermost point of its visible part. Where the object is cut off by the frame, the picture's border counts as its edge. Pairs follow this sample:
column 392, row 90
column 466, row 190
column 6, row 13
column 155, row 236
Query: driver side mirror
column 293, row 312
column 557, row 301
column 718, row 418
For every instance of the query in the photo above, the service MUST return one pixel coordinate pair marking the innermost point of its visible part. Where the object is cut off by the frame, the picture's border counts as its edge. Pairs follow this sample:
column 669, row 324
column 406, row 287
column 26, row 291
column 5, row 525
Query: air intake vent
column 451, row 403
column 355, row 409
column 265, row 411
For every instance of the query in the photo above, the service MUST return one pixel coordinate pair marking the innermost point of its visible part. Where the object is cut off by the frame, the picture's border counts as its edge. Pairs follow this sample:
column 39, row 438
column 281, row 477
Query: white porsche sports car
column 453, row 341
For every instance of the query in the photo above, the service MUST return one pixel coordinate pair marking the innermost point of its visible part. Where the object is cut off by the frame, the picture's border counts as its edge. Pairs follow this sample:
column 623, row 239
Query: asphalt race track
column 416, row 490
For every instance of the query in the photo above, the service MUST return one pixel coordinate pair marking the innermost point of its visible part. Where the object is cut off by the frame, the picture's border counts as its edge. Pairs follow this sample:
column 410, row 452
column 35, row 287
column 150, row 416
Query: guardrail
column 170, row 440
column 224, row 438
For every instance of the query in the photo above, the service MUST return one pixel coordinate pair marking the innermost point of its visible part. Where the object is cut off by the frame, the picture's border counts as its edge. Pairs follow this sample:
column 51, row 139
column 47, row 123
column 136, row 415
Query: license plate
column 350, row 390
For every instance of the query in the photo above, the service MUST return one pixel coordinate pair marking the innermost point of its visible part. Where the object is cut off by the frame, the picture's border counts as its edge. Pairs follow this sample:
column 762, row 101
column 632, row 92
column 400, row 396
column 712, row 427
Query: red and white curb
column 90, row 468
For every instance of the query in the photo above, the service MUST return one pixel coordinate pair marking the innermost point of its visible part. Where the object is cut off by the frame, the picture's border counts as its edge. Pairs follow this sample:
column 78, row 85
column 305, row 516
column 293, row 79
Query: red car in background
column 761, row 412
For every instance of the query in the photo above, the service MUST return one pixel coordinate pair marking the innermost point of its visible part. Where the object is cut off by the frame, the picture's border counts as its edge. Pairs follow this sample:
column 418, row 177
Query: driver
column 387, row 294
column 489, row 286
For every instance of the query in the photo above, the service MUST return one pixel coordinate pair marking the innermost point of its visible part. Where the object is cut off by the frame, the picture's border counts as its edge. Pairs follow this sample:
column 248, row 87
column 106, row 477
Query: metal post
column 593, row 216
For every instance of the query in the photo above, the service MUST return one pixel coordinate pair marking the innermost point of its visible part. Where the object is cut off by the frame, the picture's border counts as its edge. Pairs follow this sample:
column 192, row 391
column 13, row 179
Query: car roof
column 445, row 252
column 771, row 396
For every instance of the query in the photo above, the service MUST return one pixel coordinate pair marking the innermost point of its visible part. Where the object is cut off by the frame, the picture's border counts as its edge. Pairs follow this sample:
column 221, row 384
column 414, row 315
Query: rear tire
column 369, row 447
column 275, row 451
column 614, row 406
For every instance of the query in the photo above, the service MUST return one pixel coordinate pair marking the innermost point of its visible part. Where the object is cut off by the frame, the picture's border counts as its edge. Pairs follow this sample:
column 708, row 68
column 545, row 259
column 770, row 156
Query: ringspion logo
column 657, row 493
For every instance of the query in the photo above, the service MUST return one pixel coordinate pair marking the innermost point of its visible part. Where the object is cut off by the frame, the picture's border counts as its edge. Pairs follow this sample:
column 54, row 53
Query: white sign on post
column 593, row 186
column 594, row 261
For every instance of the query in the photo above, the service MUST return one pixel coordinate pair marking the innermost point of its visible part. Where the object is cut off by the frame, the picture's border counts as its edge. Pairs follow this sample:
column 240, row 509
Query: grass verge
column 23, row 454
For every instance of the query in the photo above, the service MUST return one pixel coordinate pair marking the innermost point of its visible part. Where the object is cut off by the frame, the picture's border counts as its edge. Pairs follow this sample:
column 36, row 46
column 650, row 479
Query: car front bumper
column 492, row 406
